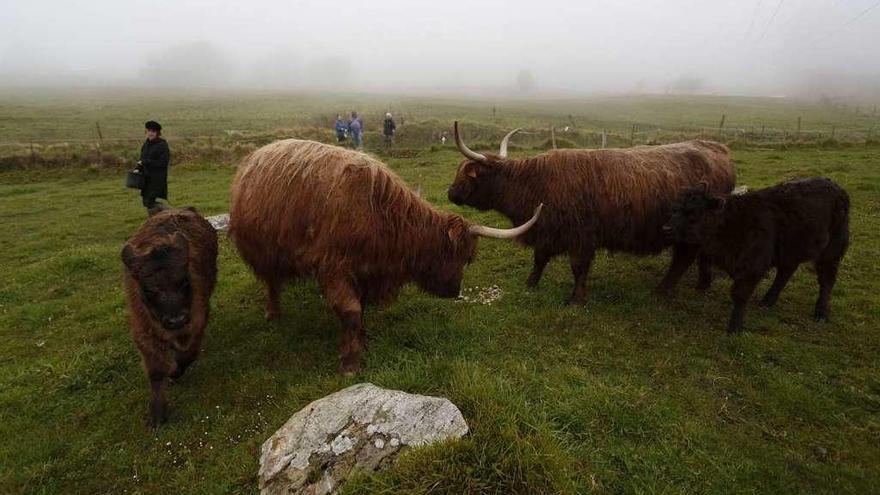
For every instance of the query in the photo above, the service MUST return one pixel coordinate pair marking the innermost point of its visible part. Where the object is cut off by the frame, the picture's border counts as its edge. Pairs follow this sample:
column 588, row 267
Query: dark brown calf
column 170, row 272
column 781, row 226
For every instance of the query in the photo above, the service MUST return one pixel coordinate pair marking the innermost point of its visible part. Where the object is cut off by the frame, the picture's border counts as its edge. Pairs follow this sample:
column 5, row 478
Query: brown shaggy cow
column 781, row 226
column 170, row 271
column 616, row 199
column 302, row 208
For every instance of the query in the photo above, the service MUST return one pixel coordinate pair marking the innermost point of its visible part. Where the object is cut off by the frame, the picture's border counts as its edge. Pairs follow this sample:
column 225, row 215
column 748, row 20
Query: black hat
column 153, row 125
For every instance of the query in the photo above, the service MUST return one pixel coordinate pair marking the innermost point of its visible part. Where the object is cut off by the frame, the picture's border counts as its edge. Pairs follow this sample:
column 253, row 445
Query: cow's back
column 620, row 199
column 297, row 205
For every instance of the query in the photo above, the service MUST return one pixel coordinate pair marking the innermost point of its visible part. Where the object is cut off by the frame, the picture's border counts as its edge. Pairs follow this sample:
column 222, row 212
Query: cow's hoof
column 179, row 369
column 575, row 301
column 663, row 291
column 348, row 369
column 156, row 419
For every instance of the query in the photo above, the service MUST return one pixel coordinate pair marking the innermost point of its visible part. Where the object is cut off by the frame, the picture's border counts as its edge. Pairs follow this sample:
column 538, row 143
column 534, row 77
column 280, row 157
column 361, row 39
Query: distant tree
column 525, row 81
column 195, row 64
column 279, row 69
column 687, row 84
column 333, row 72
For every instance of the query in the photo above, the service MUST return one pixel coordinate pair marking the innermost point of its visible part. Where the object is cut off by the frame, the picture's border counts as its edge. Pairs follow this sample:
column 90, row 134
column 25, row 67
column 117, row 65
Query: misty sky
column 612, row 46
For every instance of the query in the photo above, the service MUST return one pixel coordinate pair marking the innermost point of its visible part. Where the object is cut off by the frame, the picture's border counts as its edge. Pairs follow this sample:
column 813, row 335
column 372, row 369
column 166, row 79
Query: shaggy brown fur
column 301, row 208
column 616, row 199
column 781, row 226
column 170, row 272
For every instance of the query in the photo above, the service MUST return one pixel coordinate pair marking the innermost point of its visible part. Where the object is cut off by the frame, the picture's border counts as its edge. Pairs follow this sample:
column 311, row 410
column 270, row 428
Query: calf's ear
column 716, row 203
column 703, row 186
column 128, row 256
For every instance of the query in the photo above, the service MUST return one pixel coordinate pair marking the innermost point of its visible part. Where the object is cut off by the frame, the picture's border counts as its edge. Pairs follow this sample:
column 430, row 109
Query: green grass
column 631, row 393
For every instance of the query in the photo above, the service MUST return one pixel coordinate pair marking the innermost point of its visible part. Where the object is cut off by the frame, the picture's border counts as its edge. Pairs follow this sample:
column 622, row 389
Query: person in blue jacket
column 341, row 128
column 356, row 129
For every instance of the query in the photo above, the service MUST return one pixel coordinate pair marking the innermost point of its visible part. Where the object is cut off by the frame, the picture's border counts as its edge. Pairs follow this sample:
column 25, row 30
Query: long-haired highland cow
column 614, row 199
column 302, row 208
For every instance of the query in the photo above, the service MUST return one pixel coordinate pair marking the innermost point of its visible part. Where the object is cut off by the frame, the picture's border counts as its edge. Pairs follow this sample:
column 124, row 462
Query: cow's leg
column 783, row 274
column 826, row 272
column 346, row 303
column 704, row 278
column 157, row 367
column 198, row 321
column 740, row 293
column 273, row 296
column 581, row 261
column 184, row 358
column 542, row 257
column 682, row 258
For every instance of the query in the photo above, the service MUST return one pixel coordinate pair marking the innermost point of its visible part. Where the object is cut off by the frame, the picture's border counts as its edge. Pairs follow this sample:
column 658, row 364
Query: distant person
column 356, row 129
column 388, row 129
column 341, row 128
column 155, row 157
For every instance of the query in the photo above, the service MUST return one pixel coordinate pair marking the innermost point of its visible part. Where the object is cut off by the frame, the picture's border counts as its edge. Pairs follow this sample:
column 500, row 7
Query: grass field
column 631, row 393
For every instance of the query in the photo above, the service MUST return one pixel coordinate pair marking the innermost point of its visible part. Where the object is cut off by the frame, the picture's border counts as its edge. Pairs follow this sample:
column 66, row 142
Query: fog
column 548, row 47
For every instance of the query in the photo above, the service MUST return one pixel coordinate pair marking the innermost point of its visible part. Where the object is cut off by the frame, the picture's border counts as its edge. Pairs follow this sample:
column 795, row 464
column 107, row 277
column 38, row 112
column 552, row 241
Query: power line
column 754, row 15
column 846, row 24
column 767, row 27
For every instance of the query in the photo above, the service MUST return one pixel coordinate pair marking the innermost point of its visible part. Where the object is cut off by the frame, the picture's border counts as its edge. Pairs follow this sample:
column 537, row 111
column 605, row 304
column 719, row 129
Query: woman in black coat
column 155, row 157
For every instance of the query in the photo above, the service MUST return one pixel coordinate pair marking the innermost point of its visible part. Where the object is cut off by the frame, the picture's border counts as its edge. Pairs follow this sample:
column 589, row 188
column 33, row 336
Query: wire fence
column 234, row 143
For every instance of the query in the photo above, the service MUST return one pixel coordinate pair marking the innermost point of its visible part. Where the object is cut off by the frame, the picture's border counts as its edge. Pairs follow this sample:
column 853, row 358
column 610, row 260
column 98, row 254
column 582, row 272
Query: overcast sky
column 735, row 46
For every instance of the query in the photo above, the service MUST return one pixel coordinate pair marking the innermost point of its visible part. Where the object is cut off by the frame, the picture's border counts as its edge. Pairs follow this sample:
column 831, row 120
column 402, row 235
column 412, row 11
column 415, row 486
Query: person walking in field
column 389, row 127
column 155, row 157
column 356, row 129
column 341, row 129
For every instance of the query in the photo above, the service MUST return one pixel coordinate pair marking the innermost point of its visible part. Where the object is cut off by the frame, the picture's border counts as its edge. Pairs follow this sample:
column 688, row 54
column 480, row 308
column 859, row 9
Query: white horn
column 473, row 155
column 494, row 233
column 503, row 151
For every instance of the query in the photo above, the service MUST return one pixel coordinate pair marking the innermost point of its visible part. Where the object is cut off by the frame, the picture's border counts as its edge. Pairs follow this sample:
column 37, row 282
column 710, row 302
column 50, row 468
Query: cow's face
column 474, row 184
column 692, row 214
column 459, row 247
column 162, row 275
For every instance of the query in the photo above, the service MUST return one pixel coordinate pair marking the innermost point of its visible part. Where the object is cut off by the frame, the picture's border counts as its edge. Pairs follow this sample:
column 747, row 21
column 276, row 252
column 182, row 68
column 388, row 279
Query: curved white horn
column 494, row 233
column 473, row 155
column 503, row 151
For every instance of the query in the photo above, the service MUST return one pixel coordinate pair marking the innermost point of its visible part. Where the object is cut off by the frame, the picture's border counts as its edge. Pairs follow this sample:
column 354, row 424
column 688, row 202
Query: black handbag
column 135, row 179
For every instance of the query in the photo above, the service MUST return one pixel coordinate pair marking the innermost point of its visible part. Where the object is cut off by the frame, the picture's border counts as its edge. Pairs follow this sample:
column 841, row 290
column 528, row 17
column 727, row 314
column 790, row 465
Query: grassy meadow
column 630, row 394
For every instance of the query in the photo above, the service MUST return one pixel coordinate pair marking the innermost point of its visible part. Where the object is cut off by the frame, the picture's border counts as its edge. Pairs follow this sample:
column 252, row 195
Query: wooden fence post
column 798, row 135
column 100, row 144
column 721, row 125
column 553, row 136
column 632, row 135
column 604, row 138
column 833, row 127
